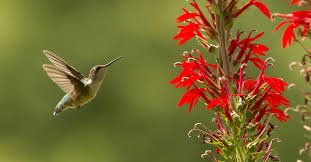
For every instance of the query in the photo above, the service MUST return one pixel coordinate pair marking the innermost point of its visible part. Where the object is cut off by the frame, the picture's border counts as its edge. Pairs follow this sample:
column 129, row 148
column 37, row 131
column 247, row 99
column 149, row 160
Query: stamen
column 192, row 130
column 291, row 86
column 253, row 30
column 190, row 58
column 270, row 59
column 293, row 64
column 184, row 78
column 177, row 63
column 206, row 153
column 185, row 53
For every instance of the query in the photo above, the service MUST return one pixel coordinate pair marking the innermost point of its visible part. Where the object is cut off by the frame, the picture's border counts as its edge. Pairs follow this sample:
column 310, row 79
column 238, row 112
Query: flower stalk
column 220, row 26
column 242, row 105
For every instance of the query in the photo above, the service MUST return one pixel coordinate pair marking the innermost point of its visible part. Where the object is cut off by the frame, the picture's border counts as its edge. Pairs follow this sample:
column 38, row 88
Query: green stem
column 240, row 154
column 222, row 41
column 220, row 27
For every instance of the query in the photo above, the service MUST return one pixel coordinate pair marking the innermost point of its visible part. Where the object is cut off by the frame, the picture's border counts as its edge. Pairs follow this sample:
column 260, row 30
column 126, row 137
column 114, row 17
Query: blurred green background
column 134, row 116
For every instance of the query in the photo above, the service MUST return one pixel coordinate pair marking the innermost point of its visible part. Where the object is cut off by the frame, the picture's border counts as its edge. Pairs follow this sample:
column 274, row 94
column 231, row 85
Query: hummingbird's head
column 98, row 72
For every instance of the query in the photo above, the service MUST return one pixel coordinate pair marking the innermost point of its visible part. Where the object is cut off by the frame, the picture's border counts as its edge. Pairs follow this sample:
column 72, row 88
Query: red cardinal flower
column 192, row 96
column 295, row 19
column 196, row 22
column 187, row 15
column 195, row 71
column 263, row 8
column 246, row 44
column 187, row 32
column 299, row 2
column 279, row 114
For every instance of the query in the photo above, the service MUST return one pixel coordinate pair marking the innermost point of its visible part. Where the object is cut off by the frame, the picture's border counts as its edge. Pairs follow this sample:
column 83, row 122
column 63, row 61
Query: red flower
column 254, row 49
column 193, row 28
column 263, row 8
column 187, row 77
column 218, row 150
column 187, row 15
column 221, row 102
column 191, row 97
column 295, row 19
column 279, row 114
column 195, row 70
column 187, row 32
column 234, row 43
column 275, row 99
column 299, row 2
column 267, row 91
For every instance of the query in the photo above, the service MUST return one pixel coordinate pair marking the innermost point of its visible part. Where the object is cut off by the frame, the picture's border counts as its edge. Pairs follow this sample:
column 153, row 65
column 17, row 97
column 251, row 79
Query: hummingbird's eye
column 97, row 68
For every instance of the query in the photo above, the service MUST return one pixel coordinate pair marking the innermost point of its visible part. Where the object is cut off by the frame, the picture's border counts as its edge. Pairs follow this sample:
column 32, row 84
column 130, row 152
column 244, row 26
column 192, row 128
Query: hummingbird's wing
column 63, row 65
column 66, row 82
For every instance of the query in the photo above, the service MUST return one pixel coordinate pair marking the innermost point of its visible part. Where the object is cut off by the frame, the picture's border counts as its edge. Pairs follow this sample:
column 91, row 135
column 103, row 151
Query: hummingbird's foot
column 78, row 108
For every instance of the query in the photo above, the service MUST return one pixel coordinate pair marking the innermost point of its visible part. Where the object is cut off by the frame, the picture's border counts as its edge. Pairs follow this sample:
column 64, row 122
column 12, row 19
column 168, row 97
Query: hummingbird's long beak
column 112, row 61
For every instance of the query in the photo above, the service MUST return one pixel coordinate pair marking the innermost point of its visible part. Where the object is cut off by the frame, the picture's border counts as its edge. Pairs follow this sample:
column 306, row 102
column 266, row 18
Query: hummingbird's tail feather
column 58, row 109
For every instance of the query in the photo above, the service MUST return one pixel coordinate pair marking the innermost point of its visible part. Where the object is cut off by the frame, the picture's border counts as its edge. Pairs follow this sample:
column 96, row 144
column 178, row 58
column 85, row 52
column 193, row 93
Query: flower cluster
column 243, row 105
column 265, row 92
column 297, row 19
column 197, row 22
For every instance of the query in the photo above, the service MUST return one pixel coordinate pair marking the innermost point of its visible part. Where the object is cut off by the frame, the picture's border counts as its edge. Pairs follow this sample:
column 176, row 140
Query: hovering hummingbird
column 78, row 88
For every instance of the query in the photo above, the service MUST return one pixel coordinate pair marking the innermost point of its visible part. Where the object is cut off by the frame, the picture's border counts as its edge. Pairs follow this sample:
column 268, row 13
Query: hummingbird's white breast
column 93, row 87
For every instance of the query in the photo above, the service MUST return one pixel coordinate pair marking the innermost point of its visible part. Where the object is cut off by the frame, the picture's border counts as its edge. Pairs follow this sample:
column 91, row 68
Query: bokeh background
column 134, row 116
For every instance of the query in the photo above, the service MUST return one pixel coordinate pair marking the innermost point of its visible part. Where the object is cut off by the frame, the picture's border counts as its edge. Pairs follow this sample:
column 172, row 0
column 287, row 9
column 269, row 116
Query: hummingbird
column 79, row 89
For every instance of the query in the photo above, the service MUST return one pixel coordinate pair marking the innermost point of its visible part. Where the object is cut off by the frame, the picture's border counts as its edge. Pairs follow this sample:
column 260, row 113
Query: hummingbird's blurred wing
column 63, row 65
column 66, row 82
